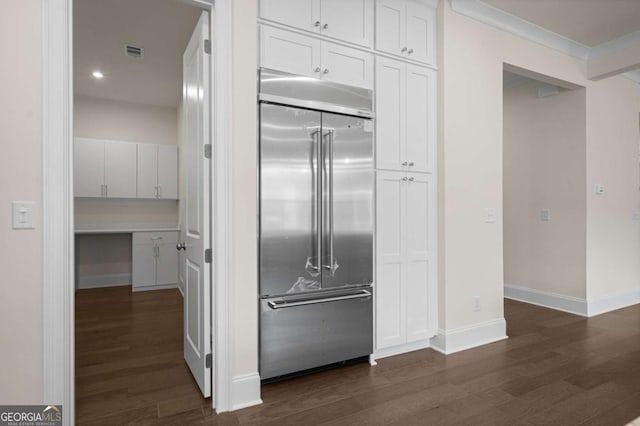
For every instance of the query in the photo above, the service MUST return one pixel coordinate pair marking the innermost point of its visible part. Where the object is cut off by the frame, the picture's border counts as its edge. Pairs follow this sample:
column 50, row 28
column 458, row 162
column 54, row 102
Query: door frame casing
column 57, row 202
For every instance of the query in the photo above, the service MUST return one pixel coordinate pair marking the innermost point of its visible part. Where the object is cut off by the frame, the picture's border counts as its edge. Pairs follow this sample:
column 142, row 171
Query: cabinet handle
column 325, row 26
column 404, row 163
column 410, row 179
column 316, row 24
column 326, row 71
column 404, row 49
column 102, row 190
column 317, row 69
column 159, row 191
column 404, row 178
column 411, row 164
column 410, row 51
column 106, row 190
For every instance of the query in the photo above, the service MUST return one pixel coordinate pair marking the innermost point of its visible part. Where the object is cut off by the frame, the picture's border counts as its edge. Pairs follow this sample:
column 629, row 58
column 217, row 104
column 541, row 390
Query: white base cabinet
column 155, row 260
column 405, row 276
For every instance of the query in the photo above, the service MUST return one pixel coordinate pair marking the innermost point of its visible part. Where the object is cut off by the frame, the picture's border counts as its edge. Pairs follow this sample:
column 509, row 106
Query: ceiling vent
column 132, row 51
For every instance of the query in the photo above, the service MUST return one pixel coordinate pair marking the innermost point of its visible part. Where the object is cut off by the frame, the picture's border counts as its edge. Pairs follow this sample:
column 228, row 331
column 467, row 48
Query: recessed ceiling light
column 97, row 75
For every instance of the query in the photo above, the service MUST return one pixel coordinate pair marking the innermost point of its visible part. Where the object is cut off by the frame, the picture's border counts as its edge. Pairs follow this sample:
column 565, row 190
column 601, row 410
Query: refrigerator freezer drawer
column 299, row 334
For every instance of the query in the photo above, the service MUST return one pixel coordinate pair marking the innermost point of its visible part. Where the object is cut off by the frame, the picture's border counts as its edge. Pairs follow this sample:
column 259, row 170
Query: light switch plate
column 599, row 190
column 24, row 214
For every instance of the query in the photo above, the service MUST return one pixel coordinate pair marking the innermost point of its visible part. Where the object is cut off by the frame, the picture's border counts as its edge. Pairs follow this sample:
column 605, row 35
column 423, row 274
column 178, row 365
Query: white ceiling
column 102, row 27
column 590, row 22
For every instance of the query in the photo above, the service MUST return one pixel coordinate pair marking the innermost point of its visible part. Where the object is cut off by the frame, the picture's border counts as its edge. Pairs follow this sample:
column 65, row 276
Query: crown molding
column 615, row 45
column 502, row 20
column 633, row 75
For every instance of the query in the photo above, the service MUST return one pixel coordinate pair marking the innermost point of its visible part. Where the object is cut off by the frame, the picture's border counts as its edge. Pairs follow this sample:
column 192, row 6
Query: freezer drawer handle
column 279, row 304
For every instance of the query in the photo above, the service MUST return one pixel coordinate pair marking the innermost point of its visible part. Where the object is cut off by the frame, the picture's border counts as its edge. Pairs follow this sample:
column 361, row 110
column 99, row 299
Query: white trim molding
column 471, row 336
column 401, row 349
column 505, row 21
column 104, row 280
column 560, row 302
column 612, row 302
column 57, row 208
column 245, row 391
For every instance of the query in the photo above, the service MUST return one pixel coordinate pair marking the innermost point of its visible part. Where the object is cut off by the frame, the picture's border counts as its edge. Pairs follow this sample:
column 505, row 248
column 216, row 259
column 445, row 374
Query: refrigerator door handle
column 318, row 202
column 282, row 303
column 332, row 266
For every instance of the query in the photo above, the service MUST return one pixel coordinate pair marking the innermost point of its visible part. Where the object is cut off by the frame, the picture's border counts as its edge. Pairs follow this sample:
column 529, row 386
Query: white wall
column 106, row 119
column 544, row 142
column 20, row 179
column 613, row 239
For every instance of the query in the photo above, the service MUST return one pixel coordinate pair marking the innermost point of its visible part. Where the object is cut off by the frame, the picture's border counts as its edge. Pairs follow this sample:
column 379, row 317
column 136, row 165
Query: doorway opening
column 544, row 196
column 142, row 206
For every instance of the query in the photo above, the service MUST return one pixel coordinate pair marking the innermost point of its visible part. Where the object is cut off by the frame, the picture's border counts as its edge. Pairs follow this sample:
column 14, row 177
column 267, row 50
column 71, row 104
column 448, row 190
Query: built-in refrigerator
column 316, row 223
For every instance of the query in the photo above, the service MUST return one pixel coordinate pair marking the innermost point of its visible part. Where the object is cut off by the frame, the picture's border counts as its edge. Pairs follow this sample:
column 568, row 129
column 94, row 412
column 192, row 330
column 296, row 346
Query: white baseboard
column 401, row 349
column 155, row 287
column 99, row 281
column 614, row 301
column 463, row 338
column 245, row 391
column 560, row 302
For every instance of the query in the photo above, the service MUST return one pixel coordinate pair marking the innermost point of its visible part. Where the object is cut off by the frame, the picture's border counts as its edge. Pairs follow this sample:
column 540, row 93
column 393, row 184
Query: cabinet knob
column 411, row 164
column 325, row 26
column 316, row 24
column 410, row 51
column 404, row 163
column 404, row 49
column 404, row 179
column 181, row 246
column 411, row 179
column 326, row 71
column 317, row 69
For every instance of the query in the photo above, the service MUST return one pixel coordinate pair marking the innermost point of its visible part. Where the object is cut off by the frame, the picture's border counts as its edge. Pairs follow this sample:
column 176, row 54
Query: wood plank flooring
column 555, row 369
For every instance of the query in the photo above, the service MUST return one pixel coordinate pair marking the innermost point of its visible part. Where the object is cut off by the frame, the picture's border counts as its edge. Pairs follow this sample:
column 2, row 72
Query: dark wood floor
column 555, row 369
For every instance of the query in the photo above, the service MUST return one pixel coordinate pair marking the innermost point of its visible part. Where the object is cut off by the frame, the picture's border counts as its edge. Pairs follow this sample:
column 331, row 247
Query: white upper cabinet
column 104, row 168
column 157, row 171
column 303, row 14
column 88, row 168
column 120, row 169
column 350, row 21
column 405, row 116
column 347, row 66
column 304, row 55
column 289, row 52
column 406, row 28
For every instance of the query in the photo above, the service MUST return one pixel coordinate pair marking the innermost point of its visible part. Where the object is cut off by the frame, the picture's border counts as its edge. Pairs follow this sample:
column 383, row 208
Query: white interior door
column 196, row 207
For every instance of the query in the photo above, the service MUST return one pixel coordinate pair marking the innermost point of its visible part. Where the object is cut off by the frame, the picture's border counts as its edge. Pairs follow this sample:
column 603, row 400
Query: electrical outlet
column 545, row 215
column 476, row 303
column 599, row 190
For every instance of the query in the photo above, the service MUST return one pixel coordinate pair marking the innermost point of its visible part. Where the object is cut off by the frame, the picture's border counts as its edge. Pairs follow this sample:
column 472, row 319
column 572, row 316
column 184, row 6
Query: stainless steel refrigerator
column 316, row 223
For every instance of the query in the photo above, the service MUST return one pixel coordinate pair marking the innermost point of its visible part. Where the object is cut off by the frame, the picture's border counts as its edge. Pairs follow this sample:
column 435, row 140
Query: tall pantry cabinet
column 388, row 46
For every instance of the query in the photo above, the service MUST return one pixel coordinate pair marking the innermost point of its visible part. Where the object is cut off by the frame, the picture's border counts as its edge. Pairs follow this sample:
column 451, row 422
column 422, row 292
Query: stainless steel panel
column 313, row 93
column 289, row 207
column 348, row 193
column 297, row 338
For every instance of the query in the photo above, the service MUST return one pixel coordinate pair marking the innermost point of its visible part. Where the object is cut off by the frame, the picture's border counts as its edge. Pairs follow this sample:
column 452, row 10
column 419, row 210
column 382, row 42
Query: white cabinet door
column 88, row 165
column 168, row 172
column 421, row 32
column 303, row 14
column 391, row 26
column 289, row 52
column 350, row 21
column 147, row 170
column 346, row 65
column 390, row 274
column 419, row 220
column 390, row 113
column 167, row 264
column 143, row 267
column 120, row 169
column 420, row 118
